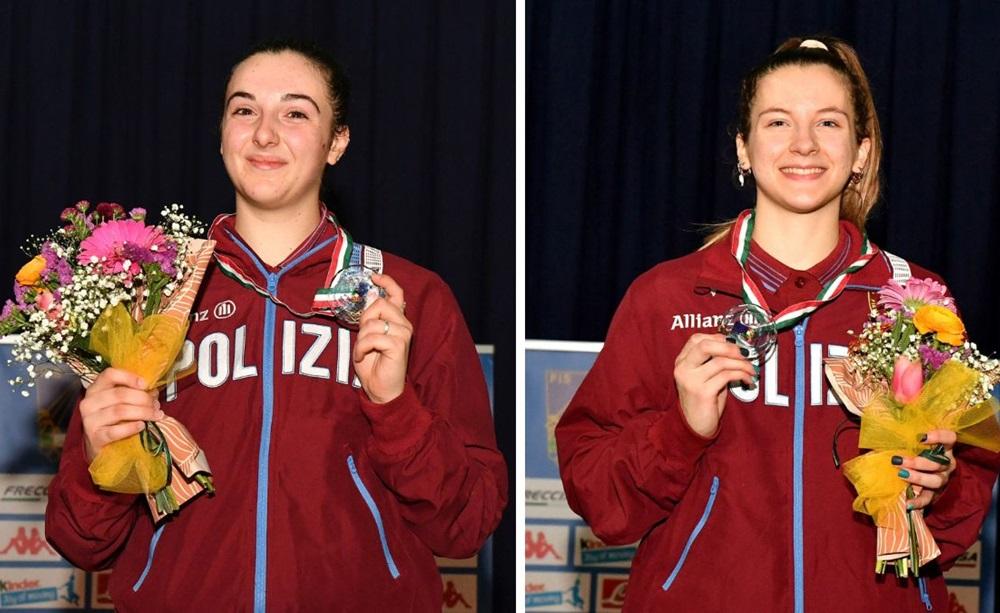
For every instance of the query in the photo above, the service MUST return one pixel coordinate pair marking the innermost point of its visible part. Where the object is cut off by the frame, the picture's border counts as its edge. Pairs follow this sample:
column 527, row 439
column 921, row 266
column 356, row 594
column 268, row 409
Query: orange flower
column 943, row 323
column 31, row 273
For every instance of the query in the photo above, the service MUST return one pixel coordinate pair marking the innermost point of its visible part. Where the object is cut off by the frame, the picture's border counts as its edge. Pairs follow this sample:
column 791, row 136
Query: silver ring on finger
column 385, row 327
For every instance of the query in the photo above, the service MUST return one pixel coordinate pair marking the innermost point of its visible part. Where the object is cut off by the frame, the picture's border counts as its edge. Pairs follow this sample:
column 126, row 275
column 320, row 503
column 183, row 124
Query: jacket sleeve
column 434, row 446
column 626, row 453
column 87, row 526
column 956, row 517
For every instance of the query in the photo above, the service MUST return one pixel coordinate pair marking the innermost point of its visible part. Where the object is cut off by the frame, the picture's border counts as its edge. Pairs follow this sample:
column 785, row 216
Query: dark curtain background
column 120, row 101
column 629, row 146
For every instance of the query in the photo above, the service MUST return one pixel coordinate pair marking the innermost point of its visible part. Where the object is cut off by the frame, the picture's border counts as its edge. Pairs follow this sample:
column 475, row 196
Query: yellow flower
column 31, row 273
column 946, row 325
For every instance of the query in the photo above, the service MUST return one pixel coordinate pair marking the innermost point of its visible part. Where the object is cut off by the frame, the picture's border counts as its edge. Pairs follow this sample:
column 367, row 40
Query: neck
column 275, row 234
column 799, row 241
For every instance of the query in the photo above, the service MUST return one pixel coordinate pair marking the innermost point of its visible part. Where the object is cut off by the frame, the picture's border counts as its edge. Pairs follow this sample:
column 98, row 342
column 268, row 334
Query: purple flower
column 54, row 263
column 8, row 308
column 19, row 292
column 932, row 357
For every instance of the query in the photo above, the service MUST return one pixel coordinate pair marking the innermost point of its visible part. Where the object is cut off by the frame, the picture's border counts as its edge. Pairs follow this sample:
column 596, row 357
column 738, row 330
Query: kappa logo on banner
column 612, row 592
column 546, row 545
column 25, row 542
column 459, row 592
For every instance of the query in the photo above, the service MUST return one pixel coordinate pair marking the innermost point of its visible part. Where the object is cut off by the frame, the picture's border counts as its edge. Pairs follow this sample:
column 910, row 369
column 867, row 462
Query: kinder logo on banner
column 556, row 591
column 24, row 541
column 41, row 588
column 24, row 494
column 592, row 551
column 612, row 591
column 546, row 545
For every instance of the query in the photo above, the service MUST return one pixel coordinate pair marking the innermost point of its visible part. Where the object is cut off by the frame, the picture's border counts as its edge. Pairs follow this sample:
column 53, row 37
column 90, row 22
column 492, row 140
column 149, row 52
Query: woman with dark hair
column 345, row 457
column 724, row 472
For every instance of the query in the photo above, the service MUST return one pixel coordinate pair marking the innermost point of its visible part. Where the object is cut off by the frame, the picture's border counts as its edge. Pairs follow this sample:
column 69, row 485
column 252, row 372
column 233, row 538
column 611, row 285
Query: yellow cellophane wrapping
column 888, row 431
column 147, row 349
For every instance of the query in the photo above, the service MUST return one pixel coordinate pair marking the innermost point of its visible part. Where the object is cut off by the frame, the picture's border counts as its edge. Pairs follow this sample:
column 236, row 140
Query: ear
column 861, row 160
column 338, row 145
column 742, row 158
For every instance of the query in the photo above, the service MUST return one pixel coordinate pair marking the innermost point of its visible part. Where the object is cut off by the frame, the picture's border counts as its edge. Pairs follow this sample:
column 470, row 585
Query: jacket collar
column 720, row 272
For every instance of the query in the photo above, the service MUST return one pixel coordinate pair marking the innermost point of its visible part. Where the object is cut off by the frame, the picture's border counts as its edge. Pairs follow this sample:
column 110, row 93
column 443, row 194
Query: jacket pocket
column 358, row 483
column 713, row 492
column 149, row 560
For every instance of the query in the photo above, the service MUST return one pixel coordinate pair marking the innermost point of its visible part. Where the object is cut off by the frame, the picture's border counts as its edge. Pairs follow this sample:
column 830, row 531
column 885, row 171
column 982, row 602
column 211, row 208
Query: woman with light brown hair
column 720, row 463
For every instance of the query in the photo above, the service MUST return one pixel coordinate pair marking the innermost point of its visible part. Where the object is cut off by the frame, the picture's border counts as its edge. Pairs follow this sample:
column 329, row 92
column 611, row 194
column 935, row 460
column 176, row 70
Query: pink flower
column 121, row 245
column 907, row 380
column 44, row 300
column 915, row 294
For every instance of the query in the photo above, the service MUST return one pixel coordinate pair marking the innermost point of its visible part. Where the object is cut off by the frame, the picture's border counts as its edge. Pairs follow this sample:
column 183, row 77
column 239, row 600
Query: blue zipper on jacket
column 393, row 570
column 149, row 560
column 264, row 453
column 797, row 453
column 713, row 492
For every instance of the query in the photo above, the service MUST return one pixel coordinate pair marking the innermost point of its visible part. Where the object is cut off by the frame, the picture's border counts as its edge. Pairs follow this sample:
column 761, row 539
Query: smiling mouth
column 803, row 172
column 265, row 163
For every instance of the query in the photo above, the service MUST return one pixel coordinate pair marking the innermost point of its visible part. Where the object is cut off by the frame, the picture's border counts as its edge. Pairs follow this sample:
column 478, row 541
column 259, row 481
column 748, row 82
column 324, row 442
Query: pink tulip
column 907, row 379
column 44, row 300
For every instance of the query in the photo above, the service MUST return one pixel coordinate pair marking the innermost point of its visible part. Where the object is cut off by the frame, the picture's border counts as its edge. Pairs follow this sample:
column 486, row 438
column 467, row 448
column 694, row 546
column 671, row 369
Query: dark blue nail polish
column 903, row 474
column 730, row 339
column 897, row 460
column 744, row 352
column 923, row 438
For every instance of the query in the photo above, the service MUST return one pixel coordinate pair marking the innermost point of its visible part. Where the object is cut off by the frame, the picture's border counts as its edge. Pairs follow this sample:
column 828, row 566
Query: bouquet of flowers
column 107, row 289
column 910, row 370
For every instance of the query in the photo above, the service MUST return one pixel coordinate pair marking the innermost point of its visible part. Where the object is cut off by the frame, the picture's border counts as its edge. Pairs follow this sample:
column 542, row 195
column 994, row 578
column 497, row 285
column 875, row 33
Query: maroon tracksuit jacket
column 325, row 501
column 757, row 518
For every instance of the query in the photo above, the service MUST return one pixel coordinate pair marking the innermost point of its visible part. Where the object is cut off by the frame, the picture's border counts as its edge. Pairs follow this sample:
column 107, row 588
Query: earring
column 856, row 177
column 740, row 175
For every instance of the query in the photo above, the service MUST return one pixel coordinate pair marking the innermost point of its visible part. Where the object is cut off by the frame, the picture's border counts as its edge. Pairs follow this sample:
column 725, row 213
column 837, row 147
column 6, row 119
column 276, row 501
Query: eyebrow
column 284, row 98
column 828, row 109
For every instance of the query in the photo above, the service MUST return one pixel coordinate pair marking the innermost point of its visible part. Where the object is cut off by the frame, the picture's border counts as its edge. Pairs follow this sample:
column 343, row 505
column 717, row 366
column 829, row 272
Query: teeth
column 802, row 171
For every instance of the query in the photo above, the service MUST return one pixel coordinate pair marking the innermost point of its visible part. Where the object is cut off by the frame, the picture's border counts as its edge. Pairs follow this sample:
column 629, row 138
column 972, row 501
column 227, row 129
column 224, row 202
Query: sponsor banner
column 548, row 545
column 551, row 379
column 459, row 592
column 962, row 599
column 611, row 592
column 23, row 494
column 555, row 591
column 969, row 565
column 446, row 563
column 546, row 499
column 100, row 596
column 41, row 588
column 592, row 551
column 24, row 541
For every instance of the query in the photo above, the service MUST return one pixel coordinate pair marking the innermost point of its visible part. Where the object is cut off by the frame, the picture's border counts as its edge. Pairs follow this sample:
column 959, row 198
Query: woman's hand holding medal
column 382, row 348
column 705, row 367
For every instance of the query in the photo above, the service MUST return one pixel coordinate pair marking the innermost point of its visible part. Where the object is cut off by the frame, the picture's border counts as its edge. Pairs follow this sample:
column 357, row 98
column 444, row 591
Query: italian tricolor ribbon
column 742, row 232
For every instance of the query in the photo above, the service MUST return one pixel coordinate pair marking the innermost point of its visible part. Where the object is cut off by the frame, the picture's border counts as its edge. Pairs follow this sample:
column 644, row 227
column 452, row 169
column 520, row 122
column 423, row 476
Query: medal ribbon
column 788, row 317
column 338, row 261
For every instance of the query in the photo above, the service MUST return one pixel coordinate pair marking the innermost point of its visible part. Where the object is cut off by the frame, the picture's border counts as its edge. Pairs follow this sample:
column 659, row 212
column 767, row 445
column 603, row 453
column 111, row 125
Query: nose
column 264, row 134
column 804, row 141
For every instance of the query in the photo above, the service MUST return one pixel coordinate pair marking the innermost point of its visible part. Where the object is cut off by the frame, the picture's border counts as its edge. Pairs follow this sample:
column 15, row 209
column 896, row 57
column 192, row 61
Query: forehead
column 795, row 87
column 278, row 73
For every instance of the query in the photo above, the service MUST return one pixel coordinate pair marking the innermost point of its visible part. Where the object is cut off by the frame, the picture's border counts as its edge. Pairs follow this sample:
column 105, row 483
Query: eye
column 829, row 123
column 777, row 123
column 242, row 111
column 297, row 115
